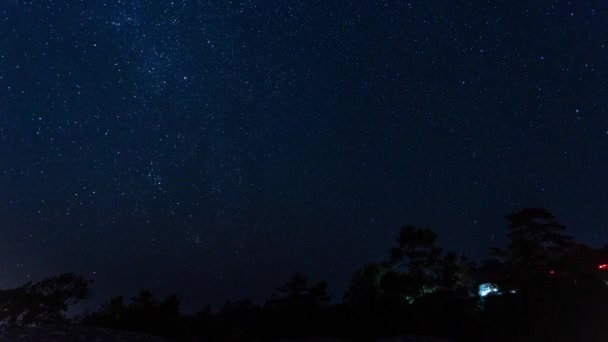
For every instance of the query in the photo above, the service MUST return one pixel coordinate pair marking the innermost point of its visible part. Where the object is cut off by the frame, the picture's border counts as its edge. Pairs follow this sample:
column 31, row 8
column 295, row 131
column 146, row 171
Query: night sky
column 212, row 148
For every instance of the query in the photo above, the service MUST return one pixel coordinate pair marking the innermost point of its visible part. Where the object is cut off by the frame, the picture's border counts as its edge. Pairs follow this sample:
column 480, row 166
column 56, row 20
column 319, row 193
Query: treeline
column 543, row 286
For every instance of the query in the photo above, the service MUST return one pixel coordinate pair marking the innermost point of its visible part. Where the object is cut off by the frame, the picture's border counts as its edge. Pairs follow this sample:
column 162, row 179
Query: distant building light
column 486, row 289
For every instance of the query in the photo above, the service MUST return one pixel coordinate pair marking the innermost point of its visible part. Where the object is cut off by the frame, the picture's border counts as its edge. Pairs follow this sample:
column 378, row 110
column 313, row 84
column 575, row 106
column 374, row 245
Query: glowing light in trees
column 487, row 289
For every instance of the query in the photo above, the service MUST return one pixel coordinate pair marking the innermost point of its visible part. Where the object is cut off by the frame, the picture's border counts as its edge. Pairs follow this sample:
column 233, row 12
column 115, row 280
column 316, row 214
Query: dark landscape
column 326, row 170
column 544, row 286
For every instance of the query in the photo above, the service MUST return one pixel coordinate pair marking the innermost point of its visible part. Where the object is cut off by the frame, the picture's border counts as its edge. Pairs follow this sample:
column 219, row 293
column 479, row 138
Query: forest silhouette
column 542, row 286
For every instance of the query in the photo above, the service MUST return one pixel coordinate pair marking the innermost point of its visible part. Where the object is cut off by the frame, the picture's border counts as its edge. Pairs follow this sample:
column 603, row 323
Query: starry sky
column 212, row 148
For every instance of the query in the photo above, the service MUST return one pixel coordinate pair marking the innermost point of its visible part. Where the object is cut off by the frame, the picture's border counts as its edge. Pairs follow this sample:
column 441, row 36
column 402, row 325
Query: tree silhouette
column 44, row 302
column 560, row 293
column 111, row 314
column 319, row 294
column 419, row 290
column 239, row 320
column 536, row 245
column 423, row 266
column 145, row 314
column 297, row 293
column 364, row 288
column 297, row 307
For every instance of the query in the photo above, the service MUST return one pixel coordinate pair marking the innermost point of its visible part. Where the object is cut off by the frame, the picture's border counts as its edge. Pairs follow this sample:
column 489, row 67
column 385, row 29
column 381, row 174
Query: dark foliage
column 144, row 314
column 385, row 299
column 421, row 289
column 44, row 302
column 421, row 267
column 297, row 308
column 536, row 246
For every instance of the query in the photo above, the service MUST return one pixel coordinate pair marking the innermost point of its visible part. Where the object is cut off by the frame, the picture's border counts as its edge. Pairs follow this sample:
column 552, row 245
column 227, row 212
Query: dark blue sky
column 213, row 148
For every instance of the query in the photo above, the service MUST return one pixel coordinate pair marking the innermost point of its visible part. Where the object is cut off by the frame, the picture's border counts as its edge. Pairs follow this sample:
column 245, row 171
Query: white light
column 487, row 289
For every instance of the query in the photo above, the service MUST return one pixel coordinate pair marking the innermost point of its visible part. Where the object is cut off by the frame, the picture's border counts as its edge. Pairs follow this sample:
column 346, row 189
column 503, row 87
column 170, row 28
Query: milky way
column 213, row 148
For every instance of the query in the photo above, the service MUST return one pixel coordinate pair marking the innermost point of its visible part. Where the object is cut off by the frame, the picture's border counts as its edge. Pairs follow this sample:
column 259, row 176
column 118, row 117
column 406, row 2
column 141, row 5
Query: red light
column 603, row 266
column 552, row 272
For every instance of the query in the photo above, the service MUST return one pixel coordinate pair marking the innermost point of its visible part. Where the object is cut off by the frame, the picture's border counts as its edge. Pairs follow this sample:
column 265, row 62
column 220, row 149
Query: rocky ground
column 88, row 334
column 72, row 333
column 403, row 338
